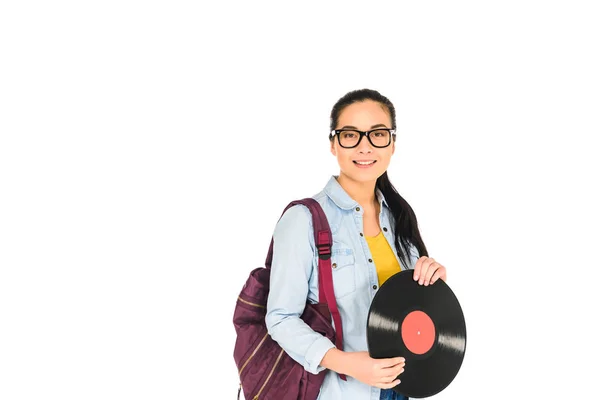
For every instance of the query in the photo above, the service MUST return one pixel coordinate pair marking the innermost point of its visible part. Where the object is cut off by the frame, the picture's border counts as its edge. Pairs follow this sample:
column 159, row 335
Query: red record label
column 418, row 332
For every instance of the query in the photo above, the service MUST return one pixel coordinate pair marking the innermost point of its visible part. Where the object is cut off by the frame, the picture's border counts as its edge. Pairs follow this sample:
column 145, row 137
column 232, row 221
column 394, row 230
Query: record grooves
column 423, row 324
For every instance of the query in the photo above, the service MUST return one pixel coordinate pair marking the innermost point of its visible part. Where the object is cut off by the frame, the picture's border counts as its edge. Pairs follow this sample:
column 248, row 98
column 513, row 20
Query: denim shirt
column 294, row 279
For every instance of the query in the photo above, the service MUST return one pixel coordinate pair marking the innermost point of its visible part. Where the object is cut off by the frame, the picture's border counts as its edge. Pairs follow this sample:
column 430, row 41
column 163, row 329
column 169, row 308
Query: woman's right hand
column 381, row 373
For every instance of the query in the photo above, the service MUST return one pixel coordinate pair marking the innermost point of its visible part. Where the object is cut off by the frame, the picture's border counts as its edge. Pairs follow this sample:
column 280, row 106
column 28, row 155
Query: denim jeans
column 389, row 394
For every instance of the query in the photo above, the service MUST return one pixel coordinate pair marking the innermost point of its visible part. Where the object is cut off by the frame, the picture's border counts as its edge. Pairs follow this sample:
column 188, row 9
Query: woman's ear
column 333, row 148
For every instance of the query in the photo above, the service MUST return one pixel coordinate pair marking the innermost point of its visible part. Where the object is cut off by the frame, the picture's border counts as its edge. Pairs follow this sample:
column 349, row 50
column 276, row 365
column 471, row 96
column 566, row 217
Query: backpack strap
column 323, row 242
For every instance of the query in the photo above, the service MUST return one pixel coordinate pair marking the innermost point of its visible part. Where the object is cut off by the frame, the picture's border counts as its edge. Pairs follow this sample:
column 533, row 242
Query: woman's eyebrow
column 373, row 127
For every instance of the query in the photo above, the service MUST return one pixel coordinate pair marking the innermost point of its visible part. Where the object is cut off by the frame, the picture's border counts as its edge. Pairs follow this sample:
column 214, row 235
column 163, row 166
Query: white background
column 148, row 148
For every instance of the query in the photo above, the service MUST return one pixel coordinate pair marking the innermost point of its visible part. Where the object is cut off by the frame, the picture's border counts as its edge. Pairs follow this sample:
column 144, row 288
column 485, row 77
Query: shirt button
column 385, row 229
column 361, row 234
column 374, row 287
column 370, row 260
column 357, row 208
column 334, row 265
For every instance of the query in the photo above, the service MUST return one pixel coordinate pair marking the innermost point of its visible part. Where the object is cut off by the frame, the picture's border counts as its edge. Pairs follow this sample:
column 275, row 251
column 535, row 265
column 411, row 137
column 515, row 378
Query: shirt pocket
column 343, row 266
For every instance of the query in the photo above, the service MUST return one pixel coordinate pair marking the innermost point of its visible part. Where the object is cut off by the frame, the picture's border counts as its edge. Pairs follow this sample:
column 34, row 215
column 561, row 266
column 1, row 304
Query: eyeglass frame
column 335, row 132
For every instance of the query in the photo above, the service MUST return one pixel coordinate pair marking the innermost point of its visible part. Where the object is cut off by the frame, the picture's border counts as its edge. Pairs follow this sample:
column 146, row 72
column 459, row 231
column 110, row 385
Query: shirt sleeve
column 291, row 269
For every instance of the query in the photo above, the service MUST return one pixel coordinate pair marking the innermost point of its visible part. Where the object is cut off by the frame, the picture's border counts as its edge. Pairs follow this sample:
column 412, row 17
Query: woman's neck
column 362, row 192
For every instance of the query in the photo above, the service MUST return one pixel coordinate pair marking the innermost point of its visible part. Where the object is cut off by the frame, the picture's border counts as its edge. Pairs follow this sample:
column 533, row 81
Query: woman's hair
column 406, row 227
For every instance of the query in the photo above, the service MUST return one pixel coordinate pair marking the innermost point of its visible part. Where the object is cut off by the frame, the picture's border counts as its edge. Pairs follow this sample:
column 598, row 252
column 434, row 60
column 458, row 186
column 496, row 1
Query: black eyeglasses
column 349, row 138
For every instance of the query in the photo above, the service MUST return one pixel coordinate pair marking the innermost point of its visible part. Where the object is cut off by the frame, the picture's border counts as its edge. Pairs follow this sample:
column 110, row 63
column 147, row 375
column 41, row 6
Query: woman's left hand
column 427, row 271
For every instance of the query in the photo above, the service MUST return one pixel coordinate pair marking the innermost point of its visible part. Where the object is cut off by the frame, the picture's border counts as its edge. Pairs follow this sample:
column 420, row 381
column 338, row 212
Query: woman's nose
column 364, row 146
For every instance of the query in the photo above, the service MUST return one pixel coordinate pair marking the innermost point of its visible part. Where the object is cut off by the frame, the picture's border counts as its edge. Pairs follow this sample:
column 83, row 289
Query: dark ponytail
column 406, row 229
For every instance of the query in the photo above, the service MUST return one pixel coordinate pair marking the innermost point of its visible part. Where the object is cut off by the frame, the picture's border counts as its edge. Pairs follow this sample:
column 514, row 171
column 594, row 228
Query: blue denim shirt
column 294, row 279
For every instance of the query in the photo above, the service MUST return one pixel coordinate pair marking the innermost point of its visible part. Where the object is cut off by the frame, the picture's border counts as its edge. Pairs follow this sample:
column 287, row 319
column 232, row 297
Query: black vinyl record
column 423, row 324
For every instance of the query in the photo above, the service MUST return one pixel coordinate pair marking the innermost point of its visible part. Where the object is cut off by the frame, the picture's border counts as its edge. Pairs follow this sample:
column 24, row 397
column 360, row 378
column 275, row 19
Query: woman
column 375, row 235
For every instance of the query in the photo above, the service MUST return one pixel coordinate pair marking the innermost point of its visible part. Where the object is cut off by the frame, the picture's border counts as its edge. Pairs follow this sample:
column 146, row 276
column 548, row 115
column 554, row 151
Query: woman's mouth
column 364, row 164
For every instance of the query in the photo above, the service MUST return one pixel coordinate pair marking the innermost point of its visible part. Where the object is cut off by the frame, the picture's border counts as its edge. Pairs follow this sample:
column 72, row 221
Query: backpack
column 266, row 371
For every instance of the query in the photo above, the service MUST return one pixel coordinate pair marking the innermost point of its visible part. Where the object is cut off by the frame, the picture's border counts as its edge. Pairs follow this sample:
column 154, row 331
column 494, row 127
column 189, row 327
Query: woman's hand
column 427, row 271
column 381, row 373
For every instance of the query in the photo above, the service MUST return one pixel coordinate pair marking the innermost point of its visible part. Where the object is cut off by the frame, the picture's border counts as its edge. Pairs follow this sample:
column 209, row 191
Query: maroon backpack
column 266, row 371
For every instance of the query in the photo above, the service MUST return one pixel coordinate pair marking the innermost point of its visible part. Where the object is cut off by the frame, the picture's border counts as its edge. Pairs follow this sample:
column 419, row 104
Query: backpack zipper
column 253, row 353
column 269, row 377
column 249, row 358
column 252, row 304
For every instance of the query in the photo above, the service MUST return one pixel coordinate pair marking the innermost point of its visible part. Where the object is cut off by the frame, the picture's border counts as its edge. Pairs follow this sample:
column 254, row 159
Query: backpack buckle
column 324, row 244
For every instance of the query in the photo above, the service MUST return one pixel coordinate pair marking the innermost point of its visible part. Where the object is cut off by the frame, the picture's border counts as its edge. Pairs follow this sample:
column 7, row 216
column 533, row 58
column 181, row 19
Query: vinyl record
column 423, row 324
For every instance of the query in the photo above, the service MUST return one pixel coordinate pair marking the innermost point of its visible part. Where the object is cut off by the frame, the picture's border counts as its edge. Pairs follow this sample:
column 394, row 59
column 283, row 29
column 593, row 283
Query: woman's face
column 363, row 116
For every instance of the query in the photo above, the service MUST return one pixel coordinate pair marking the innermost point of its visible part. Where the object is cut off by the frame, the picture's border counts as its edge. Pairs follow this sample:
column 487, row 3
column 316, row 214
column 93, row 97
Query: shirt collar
column 342, row 199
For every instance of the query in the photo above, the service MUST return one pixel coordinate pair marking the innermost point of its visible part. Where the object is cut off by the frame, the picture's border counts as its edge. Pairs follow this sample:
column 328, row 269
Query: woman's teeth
column 364, row 162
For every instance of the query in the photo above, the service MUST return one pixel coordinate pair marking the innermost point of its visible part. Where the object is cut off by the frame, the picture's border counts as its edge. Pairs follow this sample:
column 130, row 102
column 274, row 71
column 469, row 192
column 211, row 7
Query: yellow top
column 383, row 257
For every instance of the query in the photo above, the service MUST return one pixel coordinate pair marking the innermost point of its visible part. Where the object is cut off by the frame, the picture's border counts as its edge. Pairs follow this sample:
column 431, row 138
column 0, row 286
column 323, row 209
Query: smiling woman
column 375, row 235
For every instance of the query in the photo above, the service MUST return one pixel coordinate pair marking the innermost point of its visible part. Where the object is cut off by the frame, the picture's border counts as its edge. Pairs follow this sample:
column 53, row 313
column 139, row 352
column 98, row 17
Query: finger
column 391, row 375
column 397, row 370
column 389, row 385
column 396, row 364
column 430, row 272
column 390, row 362
column 418, row 266
column 400, row 370
column 440, row 273
column 424, row 269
